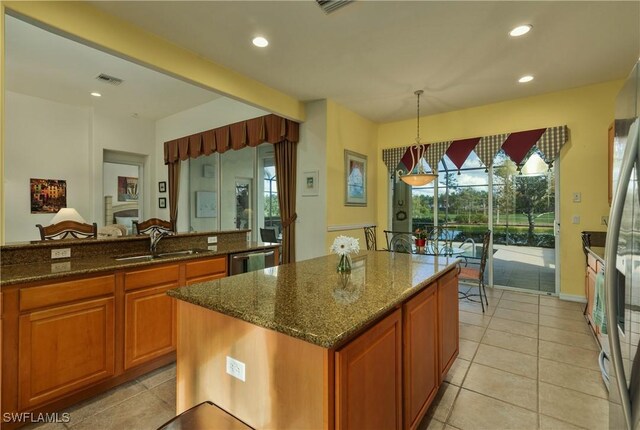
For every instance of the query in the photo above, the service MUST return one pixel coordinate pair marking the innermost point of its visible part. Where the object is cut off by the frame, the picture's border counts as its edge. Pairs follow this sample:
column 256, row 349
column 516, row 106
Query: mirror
column 57, row 130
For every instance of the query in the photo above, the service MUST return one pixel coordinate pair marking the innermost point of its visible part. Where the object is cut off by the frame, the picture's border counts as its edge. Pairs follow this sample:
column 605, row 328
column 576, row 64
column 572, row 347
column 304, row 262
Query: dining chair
column 476, row 274
column 370, row 238
column 268, row 235
column 68, row 230
column 152, row 225
column 399, row 241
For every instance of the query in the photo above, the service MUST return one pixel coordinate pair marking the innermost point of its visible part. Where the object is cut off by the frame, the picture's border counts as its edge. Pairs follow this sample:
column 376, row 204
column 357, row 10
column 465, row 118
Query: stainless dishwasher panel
column 238, row 262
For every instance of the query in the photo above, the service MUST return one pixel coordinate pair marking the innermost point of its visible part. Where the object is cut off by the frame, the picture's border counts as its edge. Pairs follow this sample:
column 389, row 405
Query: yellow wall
column 587, row 111
column 2, row 202
column 347, row 130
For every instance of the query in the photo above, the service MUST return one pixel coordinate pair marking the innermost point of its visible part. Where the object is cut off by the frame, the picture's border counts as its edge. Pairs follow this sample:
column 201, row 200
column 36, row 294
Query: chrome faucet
column 155, row 237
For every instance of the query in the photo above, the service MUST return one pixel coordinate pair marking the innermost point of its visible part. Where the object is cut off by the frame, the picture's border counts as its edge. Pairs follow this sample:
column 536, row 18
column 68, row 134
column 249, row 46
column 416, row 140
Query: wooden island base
column 383, row 377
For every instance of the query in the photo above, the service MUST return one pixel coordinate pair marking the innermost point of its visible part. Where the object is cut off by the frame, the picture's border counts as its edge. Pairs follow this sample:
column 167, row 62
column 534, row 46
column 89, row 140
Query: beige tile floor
column 529, row 362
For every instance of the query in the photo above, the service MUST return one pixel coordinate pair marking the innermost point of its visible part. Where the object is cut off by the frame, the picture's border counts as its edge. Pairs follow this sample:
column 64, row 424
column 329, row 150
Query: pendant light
column 420, row 178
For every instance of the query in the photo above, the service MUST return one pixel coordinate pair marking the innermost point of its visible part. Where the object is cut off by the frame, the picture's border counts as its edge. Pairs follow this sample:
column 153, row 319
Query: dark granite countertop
column 56, row 269
column 309, row 300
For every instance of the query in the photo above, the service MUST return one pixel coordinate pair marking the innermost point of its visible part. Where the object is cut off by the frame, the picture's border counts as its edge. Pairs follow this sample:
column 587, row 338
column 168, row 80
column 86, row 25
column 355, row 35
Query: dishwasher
column 239, row 263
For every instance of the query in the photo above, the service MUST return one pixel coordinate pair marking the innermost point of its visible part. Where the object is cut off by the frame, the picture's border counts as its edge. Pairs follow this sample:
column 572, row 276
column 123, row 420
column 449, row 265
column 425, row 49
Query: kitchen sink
column 147, row 257
column 136, row 258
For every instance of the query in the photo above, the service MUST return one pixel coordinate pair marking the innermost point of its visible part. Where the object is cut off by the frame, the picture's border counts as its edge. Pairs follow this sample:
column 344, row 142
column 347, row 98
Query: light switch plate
column 577, row 197
column 235, row 368
column 576, row 219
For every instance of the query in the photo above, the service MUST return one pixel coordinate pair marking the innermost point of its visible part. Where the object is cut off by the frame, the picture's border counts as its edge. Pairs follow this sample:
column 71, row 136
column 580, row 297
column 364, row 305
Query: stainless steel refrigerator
column 622, row 262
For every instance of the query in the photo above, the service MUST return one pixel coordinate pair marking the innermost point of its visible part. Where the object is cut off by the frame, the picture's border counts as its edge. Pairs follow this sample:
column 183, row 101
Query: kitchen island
column 300, row 346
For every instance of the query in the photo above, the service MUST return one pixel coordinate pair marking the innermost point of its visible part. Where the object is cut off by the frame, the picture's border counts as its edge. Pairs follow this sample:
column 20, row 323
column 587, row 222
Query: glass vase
column 344, row 265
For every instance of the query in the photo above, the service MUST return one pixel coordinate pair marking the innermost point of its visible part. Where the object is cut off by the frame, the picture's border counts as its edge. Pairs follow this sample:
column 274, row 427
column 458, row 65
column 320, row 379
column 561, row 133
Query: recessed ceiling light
column 96, row 94
column 520, row 30
column 525, row 79
column 260, row 42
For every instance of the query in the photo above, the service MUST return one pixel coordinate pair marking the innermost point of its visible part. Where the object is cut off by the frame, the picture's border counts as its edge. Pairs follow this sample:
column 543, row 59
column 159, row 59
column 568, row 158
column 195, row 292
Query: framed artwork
column 162, row 202
column 162, row 187
column 310, row 183
column 355, row 171
column 127, row 189
column 205, row 204
column 48, row 195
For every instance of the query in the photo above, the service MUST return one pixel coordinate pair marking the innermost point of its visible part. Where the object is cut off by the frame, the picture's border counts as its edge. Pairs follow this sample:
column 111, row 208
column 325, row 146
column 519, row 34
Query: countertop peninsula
column 55, row 269
column 310, row 301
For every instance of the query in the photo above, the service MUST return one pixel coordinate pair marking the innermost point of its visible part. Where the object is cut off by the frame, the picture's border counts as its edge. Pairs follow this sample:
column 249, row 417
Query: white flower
column 344, row 245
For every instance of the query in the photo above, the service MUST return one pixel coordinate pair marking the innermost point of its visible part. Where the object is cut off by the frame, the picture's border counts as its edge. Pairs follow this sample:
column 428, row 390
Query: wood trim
column 329, row 397
column 152, row 276
column 65, row 292
column 448, row 321
column 54, row 332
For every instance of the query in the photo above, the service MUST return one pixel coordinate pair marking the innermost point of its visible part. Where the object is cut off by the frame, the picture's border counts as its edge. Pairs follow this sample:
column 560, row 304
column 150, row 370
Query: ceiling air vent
column 109, row 79
column 329, row 6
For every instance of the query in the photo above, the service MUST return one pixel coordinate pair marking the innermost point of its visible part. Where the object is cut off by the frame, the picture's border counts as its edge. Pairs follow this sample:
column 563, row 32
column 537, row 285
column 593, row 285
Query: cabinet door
column 150, row 324
column 369, row 378
column 64, row 349
column 591, row 295
column 448, row 321
column 420, row 354
column 206, row 270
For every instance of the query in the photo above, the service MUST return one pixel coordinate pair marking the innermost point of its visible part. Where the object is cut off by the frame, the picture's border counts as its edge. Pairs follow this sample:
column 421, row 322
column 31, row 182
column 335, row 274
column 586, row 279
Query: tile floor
column 529, row 362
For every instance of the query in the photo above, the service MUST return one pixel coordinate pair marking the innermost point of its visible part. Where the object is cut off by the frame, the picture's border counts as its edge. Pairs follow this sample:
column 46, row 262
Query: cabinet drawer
column 150, row 277
column 64, row 292
column 211, row 266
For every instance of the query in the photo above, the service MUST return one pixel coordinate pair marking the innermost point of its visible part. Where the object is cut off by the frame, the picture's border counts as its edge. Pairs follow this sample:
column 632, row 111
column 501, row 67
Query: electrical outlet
column 576, row 219
column 63, row 266
column 212, row 239
column 577, row 197
column 235, row 368
column 212, row 248
column 61, row 253
column 604, row 220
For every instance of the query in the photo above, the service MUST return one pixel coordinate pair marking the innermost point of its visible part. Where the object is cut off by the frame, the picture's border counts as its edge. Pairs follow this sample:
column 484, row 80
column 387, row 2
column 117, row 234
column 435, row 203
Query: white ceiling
column 42, row 64
column 370, row 56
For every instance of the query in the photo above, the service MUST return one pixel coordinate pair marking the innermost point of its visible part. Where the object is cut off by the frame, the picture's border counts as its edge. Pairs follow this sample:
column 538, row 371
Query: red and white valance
column 516, row 145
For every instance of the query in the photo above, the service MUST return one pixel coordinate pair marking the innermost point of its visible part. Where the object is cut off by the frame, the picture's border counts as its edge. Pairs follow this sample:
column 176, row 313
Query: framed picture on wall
column 127, row 189
column 162, row 202
column 355, row 172
column 48, row 195
column 162, row 187
column 310, row 183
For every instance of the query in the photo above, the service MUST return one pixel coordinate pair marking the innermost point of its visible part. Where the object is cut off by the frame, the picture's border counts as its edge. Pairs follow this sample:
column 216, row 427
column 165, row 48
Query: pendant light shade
column 420, row 178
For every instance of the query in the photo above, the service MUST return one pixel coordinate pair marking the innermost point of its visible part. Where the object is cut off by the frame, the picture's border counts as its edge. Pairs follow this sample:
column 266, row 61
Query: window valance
column 252, row 132
column 516, row 146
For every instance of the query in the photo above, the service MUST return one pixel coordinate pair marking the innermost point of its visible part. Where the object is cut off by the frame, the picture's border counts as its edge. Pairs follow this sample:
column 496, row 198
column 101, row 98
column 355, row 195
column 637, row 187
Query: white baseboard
column 573, row 298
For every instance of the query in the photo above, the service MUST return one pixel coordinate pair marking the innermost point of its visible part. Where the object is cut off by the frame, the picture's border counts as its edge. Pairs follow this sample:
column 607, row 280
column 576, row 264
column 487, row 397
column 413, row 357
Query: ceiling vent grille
column 329, row 6
column 112, row 80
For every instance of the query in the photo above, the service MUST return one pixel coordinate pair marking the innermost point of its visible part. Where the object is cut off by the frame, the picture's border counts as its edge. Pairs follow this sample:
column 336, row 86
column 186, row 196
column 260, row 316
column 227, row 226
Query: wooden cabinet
column 150, row 315
column 448, row 320
column 369, row 378
column 420, row 355
column 593, row 267
column 65, row 348
column 206, row 270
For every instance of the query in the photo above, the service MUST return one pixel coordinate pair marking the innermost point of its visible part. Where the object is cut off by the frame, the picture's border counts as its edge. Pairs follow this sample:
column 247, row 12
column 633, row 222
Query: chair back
column 439, row 241
column 152, row 225
column 370, row 237
column 268, row 235
column 68, row 230
column 399, row 241
column 485, row 252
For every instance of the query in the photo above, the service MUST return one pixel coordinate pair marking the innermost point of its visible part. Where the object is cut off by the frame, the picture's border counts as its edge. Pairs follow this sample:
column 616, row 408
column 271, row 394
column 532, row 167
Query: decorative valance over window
column 281, row 132
column 516, row 146
column 252, row 132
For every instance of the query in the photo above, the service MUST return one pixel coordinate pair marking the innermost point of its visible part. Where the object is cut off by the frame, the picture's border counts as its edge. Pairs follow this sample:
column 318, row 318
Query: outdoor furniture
column 68, row 230
column 151, row 225
column 476, row 274
column 370, row 238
